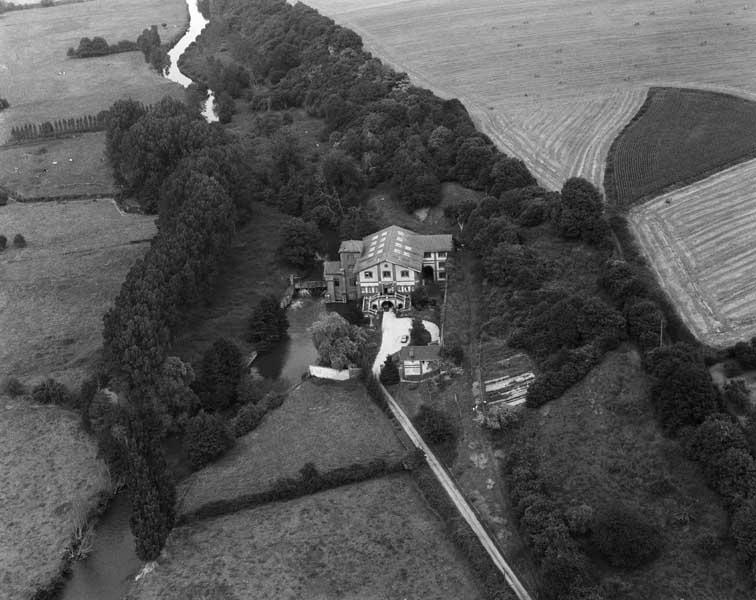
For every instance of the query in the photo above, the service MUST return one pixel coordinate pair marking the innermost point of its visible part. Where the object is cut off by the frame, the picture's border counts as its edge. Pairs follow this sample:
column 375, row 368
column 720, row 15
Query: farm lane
column 389, row 330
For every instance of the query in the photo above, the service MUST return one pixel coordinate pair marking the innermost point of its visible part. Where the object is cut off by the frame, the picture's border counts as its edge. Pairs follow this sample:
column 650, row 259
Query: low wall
column 333, row 374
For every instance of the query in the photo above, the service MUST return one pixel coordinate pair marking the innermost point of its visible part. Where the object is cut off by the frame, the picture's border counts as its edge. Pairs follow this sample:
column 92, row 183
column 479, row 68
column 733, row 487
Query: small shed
column 418, row 362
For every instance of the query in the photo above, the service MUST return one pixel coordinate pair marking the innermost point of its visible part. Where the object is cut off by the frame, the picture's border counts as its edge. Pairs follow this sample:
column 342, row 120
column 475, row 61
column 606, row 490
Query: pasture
column 554, row 82
column 327, row 423
column 43, row 84
column 57, row 167
column 50, row 478
column 679, row 137
column 56, row 290
column 599, row 445
column 699, row 241
column 372, row 540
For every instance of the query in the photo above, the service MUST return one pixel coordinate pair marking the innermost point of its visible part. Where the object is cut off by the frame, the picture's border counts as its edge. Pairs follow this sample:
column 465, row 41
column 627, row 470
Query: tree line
column 47, row 129
column 98, row 46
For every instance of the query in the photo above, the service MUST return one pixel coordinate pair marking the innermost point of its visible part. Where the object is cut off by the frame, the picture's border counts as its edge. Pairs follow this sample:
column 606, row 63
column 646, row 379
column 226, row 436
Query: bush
column 435, row 426
column 268, row 323
column 419, row 335
column 248, row 418
column 389, row 372
column 52, row 392
column 453, row 352
column 3, row 242
column 13, row 387
column 420, row 298
column 206, row 439
column 625, row 540
column 19, row 241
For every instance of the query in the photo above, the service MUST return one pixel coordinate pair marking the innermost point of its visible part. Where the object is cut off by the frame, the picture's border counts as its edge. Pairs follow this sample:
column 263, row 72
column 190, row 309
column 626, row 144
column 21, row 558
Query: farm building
column 383, row 268
column 418, row 362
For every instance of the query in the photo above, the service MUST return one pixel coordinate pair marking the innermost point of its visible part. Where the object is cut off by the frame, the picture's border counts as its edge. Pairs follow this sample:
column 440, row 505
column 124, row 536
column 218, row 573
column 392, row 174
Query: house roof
column 351, row 246
column 331, row 267
column 420, row 352
column 400, row 246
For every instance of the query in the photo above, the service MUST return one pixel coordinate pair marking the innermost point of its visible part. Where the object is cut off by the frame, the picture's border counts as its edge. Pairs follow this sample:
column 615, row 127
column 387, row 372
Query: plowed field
column 554, row 82
column 699, row 240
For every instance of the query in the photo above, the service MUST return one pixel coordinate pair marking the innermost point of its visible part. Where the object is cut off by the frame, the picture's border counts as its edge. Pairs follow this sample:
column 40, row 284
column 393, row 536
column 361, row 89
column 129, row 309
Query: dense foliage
column 206, row 439
column 268, row 323
column 97, row 46
column 389, row 372
column 339, row 344
column 219, row 375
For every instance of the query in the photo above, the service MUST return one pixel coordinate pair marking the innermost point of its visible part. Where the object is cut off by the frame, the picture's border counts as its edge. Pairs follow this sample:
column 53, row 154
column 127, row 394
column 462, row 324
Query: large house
column 383, row 268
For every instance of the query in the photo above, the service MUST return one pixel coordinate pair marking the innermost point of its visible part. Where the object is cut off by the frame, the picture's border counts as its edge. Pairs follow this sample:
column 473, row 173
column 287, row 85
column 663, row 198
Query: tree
column 206, row 439
column 508, row 174
column 3, row 242
column 419, row 335
column 338, row 343
column 219, row 374
column 389, row 372
column 343, row 176
column 434, row 425
column 174, row 399
column 19, row 241
column 224, row 107
column 268, row 323
column 743, row 529
column 299, row 242
column 357, row 222
column 580, row 212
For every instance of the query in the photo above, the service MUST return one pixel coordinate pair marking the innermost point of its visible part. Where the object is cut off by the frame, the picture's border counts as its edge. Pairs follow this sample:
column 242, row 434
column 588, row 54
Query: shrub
column 13, row 387
column 268, row 323
column 19, row 241
column 52, row 392
column 435, row 426
column 419, row 335
column 498, row 417
column 389, row 372
column 248, row 418
column 3, row 242
column 453, row 352
column 624, row 539
column 420, row 297
column 206, row 439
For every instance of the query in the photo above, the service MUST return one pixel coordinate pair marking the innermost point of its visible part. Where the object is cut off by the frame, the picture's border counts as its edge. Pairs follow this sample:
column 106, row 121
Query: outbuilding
column 419, row 362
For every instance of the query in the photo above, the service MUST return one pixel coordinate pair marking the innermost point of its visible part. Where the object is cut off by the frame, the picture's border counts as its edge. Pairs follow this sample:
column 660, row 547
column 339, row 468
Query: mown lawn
column 369, row 541
column 55, row 291
column 331, row 424
column 49, row 475
column 599, row 445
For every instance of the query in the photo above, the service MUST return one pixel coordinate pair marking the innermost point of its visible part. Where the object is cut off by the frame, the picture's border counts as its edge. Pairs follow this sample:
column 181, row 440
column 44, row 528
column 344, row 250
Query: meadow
column 57, row 167
column 678, row 137
column 50, row 477
column 43, row 84
column 600, row 445
column 326, row 423
column 56, row 290
column 698, row 240
column 553, row 82
column 372, row 540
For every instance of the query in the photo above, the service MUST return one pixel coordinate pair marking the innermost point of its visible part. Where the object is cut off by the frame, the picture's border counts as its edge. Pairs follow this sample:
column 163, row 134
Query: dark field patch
column 678, row 137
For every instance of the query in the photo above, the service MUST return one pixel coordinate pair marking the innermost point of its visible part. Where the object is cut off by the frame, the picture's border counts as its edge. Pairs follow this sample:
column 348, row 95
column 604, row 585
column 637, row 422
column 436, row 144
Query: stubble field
column 55, row 291
column 553, row 82
column 699, row 240
column 42, row 83
column 372, row 540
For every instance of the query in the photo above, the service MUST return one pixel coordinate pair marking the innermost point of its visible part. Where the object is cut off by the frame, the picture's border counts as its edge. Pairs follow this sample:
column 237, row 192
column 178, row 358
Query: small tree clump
column 52, row 392
column 19, row 241
column 13, row 387
column 206, row 439
column 389, row 372
column 419, row 335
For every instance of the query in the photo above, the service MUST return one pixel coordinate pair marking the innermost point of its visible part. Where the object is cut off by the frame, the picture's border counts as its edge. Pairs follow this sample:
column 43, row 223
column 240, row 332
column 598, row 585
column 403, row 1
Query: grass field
column 61, row 167
column 553, row 82
column 599, row 445
column 49, row 474
column 329, row 424
column 42, row 83
column 680, row 137
column 372, row 540
column 699, row 241
column 55, row 291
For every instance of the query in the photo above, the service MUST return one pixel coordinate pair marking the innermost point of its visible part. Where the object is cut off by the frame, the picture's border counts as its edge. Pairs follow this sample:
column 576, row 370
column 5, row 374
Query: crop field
column 372, row 540
column 58, row 167
column 55, row 291
column 553, row 82
column 681, row 136
column 42, row 84
column 699, row 240
column 329, row 424
column 599, row 444
column 50, row 476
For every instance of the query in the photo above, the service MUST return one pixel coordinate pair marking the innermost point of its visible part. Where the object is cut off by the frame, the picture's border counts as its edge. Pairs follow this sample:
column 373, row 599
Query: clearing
column 554, row 82
column 699, row 240
column 56, row 290
column 327, row 423
column 372, row 540
column 50, row 479
column 57, row 167
column 43, row 84
column 599, row 445
column 680, row 136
